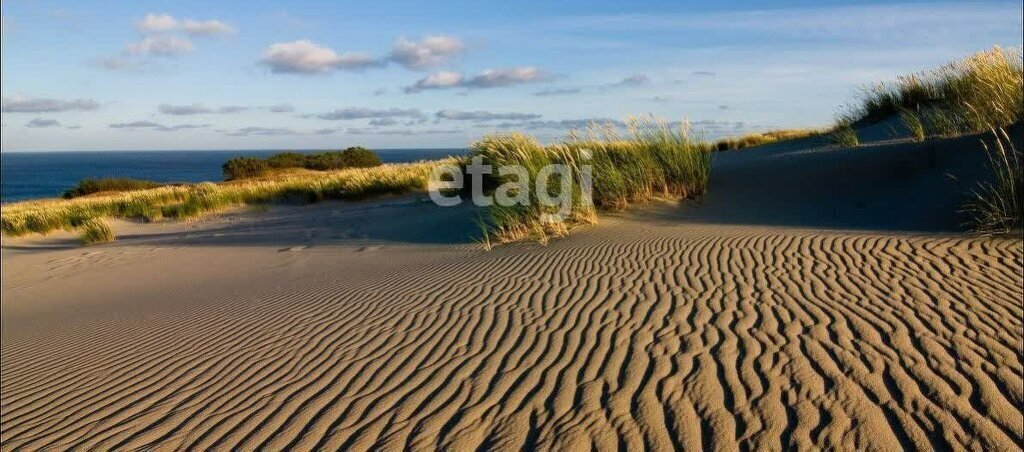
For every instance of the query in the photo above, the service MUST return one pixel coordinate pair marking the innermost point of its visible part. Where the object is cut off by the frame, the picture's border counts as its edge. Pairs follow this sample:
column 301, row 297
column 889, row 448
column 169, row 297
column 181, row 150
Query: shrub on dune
column 251, row 167
column 244, row 168
column 89, row 186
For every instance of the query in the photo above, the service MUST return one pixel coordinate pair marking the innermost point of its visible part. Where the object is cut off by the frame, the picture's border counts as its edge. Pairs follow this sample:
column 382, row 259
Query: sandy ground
column 817, row 297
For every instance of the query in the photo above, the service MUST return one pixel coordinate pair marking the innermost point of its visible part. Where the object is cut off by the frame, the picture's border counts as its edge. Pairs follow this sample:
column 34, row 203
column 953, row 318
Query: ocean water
column 29, row 175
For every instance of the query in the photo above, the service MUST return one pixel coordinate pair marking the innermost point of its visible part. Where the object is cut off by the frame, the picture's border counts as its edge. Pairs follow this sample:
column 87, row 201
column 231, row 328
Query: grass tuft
column 96, row 231
column 913, row 124
column 655, row 159
column 996, row 206
column 844, row 135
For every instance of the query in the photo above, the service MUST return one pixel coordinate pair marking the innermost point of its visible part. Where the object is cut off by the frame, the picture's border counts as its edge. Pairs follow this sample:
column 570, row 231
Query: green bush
column 244, row 168
column 354, row 157
column 249, row 167
column 286, row 160
column 89, row 186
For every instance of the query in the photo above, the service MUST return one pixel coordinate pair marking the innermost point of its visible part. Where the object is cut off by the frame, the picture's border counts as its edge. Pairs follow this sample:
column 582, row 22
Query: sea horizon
column 47, row 174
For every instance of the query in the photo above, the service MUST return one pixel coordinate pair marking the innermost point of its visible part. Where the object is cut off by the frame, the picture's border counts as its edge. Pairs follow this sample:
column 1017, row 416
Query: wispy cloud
column 262, row 131
column 557, row 92
column 40, row 123
column 491, row 78
column 201, row 109
column 161, row 46
column 161, row 23
column 456, row 115
column 383, row 122
column 402, row 132
column 562, row 124
column 155, row 126
column 281, row 108
column 351, row 113
column 47, row 105
column 633, row 80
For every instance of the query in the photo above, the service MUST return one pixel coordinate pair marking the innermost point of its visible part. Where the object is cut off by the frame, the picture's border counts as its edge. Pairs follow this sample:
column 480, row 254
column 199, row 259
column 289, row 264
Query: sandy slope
column 795, row 308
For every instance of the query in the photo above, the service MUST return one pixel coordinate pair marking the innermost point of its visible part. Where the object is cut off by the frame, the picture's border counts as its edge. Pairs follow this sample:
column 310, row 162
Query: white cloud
column 429, row 52
column 306, row 57
column 437, row 80
column 491, row 78
column 156, row 23
column 45, row 105
column 163, row 46
column 161, row 23
column 300, row 57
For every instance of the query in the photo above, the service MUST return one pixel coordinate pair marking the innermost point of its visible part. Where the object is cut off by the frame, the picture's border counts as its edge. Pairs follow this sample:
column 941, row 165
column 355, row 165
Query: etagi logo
column 552, row 187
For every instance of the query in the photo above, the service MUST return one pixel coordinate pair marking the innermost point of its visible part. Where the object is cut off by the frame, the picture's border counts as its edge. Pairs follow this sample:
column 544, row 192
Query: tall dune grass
column 997, row 206
column 188, row 201
column 966, row 96
column 96, row 231
column 843, row 134
column 654, row 159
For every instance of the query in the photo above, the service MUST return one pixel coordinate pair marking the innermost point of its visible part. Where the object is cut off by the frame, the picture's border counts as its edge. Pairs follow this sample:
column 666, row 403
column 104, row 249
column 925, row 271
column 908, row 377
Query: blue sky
column 386, row 74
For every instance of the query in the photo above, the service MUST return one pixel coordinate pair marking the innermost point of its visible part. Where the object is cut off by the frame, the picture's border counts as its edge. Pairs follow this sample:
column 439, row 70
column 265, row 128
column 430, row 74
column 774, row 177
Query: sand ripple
column 627, row 335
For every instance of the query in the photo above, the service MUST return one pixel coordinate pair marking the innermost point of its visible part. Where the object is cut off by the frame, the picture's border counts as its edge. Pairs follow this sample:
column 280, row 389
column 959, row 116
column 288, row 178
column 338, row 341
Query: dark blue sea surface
column 28, row 175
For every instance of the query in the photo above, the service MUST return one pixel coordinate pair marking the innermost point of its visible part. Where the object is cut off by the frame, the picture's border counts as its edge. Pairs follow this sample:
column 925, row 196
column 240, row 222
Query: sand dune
column 673, row 327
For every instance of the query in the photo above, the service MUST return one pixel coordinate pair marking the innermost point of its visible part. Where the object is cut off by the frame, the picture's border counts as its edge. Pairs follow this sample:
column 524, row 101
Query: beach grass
column 95, row 231
column 609, row 171
column 843, row 134
column 997, row 205
column 193, row 200
column 912, row 121
column 966, row 96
